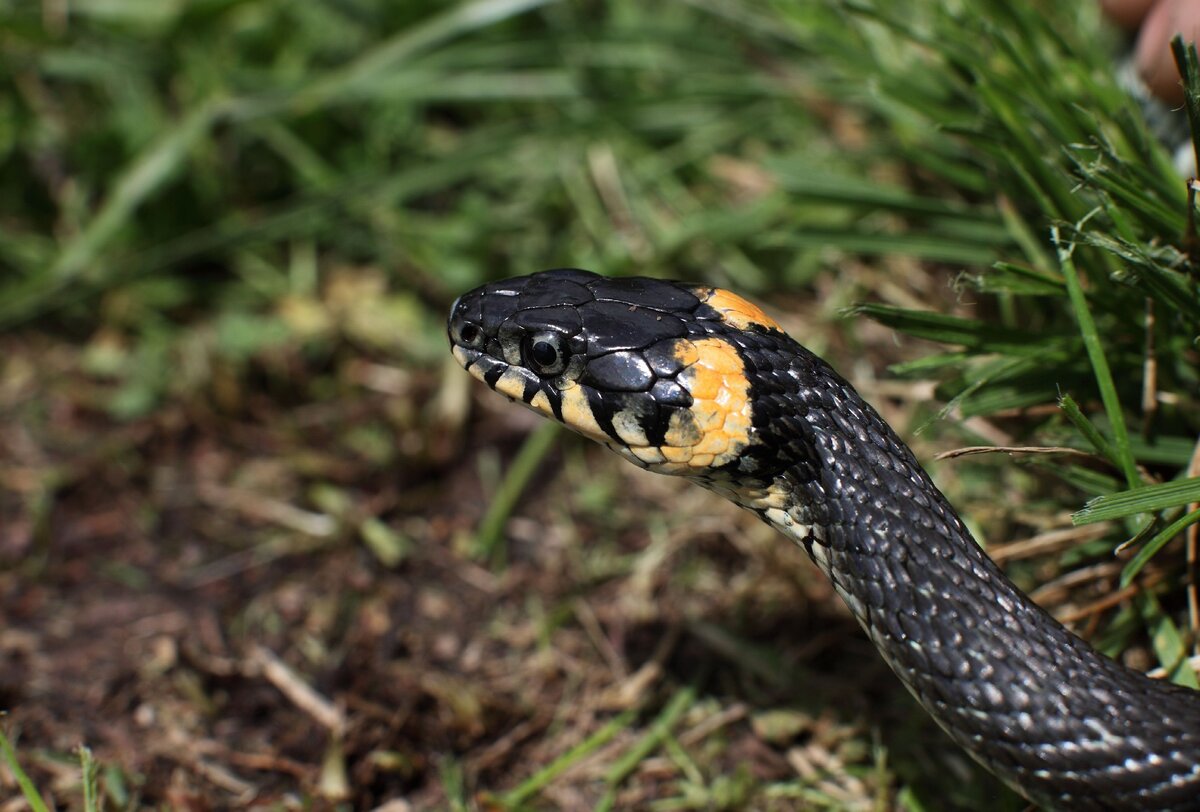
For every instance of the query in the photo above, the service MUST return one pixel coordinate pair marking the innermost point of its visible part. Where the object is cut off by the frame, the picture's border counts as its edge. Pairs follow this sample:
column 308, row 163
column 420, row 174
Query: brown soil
column 192, row 595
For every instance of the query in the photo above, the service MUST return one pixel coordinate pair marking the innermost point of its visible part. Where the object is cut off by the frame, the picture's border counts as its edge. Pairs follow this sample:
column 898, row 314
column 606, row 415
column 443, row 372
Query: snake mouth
column 466, row 357
column 513, row 382
column 482, row 368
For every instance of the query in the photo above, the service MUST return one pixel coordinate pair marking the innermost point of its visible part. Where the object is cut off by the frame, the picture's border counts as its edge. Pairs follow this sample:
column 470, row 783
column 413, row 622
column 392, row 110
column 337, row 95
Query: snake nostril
column 466, row 334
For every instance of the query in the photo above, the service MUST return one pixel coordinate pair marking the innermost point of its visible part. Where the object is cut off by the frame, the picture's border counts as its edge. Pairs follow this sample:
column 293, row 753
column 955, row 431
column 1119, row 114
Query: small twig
column 591, row 624
column 1100, row 604
column 271, row 511
column 1052, row 591
column 631, row 691
column 262, row 762
column 711, row 724
column 219, row 776
column 1044, row 543
column 270, row 762
column 500, row 749
column 1010, row 449
column 301, row 694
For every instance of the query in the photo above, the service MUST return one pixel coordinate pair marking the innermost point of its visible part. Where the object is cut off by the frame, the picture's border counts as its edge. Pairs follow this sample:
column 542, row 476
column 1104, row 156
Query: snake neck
column 1031, row 701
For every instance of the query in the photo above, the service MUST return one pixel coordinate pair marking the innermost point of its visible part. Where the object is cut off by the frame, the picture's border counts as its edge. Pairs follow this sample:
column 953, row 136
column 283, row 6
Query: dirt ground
column 267, row 594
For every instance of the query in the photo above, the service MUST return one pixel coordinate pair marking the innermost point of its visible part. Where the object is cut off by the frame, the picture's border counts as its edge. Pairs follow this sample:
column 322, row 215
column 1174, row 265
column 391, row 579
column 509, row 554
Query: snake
column 697, row 381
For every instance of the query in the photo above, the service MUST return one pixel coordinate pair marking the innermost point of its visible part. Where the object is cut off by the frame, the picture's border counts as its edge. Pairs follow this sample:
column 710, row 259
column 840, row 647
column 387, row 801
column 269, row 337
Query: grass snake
column 696, row 381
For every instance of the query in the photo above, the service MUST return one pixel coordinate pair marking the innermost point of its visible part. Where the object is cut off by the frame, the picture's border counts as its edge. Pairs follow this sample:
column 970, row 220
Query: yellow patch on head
column 511, row 384
column 540, row 403
column 577, row 415
column 717, row 427
column 648, row 455
column 576, row 411
column 629, row 429
column 735, row 310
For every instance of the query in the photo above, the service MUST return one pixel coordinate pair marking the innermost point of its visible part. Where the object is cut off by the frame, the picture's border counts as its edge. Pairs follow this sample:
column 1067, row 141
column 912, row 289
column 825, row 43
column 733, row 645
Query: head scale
column 655, row 370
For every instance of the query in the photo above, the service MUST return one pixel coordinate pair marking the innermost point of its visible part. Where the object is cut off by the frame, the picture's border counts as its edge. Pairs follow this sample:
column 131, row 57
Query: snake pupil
column 544, row 354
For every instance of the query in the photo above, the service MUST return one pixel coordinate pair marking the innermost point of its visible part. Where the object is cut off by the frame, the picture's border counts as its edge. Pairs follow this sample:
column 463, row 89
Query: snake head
column 650, row 368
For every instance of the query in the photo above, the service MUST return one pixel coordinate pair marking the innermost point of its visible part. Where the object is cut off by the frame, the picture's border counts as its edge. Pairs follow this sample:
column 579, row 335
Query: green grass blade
column 1147, row 499
column 1006, row 277
column 1169, row 644
column 539, row 780
column 1164, row 450
column 1151, row 547
column 1085, row 427
column 854, row 239
column 88, row 770
column 379, row 63
column 977, row 335
column 157, row 164
column 660, row 729
column 800, row 176
column 1189, row 68
column 1104, row 380
column 520, row 472
column 28, row 790
column 453, row 781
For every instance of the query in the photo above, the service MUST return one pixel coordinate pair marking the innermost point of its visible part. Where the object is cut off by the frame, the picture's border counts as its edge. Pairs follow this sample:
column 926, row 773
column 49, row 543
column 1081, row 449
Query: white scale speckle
column 1180, row 780
column 1103, row 732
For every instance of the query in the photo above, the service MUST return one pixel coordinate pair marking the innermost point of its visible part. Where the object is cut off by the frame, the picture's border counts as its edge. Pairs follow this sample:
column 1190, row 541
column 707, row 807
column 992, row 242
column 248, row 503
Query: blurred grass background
column 237, row 461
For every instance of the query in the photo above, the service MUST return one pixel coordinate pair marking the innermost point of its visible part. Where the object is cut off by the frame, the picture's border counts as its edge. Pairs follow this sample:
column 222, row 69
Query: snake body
column 695, row 381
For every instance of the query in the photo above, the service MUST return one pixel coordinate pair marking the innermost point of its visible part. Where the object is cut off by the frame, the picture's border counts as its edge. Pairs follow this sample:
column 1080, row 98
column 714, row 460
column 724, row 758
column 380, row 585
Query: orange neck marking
column 737, row 311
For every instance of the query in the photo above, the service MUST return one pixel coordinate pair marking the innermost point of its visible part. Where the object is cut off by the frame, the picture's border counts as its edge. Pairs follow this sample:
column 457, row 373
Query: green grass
column 218, row 204
column 28, row 791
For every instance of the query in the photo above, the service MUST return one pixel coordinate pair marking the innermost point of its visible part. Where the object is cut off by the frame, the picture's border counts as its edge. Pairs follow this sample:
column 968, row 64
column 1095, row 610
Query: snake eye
column 545, row 353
